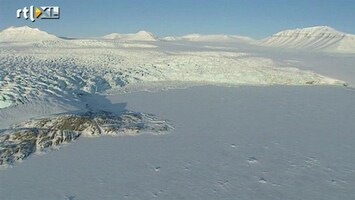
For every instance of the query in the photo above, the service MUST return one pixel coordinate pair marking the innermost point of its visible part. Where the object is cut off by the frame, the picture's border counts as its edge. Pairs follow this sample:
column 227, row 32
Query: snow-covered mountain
column 321, row 38
column 90, row 66
column 25, row 34
column 318, row 38
column 210, row 38
column 139, row 36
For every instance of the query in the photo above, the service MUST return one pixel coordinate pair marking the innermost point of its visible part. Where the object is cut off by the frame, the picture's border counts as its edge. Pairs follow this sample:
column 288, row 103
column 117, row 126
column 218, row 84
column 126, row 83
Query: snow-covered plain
column 280, row 122
column 278, row 142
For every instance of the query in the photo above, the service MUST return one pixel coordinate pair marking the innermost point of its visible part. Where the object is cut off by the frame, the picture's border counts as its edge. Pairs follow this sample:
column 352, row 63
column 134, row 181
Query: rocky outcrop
column 40, row 135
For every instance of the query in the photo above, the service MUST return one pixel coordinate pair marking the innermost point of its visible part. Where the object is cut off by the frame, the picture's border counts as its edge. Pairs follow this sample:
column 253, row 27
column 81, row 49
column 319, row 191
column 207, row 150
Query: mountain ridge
column 25, row 34
column 139, row 36
column 321, row 38
column 209, row 38
column 316, row 38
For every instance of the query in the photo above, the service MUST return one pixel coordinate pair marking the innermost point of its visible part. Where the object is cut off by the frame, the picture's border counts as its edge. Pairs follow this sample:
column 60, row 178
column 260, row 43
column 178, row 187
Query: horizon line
column 187, row 34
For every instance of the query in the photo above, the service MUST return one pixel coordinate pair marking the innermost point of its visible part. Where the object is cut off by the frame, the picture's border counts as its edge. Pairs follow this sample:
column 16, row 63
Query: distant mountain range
column 321, row 38
column 24, row 34
column 317, row 38
column 139, row 36
column 210, row 38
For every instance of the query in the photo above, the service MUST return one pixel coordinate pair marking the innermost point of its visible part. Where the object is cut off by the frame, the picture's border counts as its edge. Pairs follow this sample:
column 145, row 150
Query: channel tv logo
column 42, row 12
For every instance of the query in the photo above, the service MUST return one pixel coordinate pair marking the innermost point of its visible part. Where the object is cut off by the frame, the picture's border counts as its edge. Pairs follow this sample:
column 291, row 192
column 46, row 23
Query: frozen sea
column 272, row 142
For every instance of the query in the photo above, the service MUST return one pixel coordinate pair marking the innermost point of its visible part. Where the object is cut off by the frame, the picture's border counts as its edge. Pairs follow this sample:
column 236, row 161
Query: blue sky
column 254, row 18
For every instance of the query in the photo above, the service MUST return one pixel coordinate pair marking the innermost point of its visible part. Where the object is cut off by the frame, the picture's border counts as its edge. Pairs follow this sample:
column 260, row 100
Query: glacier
column 76, row 67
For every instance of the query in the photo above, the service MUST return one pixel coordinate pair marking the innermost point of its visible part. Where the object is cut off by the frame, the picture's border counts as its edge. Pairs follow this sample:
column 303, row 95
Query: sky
column 253, row 18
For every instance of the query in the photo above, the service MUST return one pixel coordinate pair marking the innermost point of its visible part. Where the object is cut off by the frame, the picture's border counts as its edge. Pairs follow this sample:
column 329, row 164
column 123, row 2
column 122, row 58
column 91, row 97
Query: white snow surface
column 228, row 143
